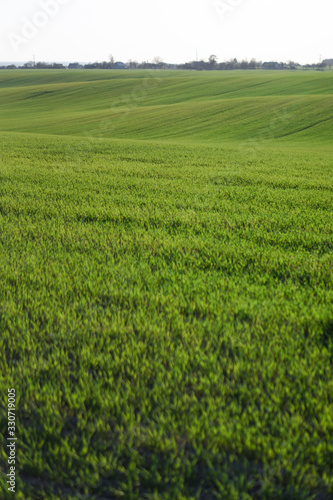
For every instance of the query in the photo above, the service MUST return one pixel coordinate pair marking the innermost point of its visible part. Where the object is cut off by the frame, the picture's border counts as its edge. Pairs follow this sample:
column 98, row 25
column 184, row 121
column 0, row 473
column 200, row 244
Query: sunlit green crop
column 166, row 299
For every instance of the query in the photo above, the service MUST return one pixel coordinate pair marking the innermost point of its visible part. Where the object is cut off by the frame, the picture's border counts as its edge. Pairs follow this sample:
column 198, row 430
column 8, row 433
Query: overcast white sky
column 91, row 30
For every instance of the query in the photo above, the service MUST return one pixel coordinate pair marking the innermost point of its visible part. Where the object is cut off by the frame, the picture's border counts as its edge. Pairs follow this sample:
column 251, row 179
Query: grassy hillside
column 215, row 107
column 166, row 299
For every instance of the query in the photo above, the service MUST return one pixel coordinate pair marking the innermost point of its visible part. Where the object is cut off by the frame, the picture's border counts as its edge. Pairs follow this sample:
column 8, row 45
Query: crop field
column 166, row 271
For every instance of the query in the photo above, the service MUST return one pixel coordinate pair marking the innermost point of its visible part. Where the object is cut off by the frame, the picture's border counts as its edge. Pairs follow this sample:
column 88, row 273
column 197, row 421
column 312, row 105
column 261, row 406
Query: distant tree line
column 38, row 65
column 157, row 63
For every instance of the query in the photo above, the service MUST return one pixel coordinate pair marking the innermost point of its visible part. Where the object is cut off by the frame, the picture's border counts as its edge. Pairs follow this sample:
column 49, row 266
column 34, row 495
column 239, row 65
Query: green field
column 166, row 271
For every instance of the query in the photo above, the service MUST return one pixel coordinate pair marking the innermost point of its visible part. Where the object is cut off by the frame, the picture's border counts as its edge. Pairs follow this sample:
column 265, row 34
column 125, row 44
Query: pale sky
column 174, row 30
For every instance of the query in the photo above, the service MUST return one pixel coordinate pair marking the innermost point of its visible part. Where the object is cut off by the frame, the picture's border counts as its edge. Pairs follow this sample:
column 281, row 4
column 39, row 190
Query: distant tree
column 74, row 65
column 94, row 65
column 199, row 65
column 158, row 63
column 292, row 64
column 231, row 64
column 212, row 61
column 111, row 59
column 328, row 63
column 187, row 65
column 132, row 64
column 29, row 65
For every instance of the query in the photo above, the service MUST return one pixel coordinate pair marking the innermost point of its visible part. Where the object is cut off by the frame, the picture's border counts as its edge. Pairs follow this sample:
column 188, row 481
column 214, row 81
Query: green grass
column 170, row 105
column 166, row 284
